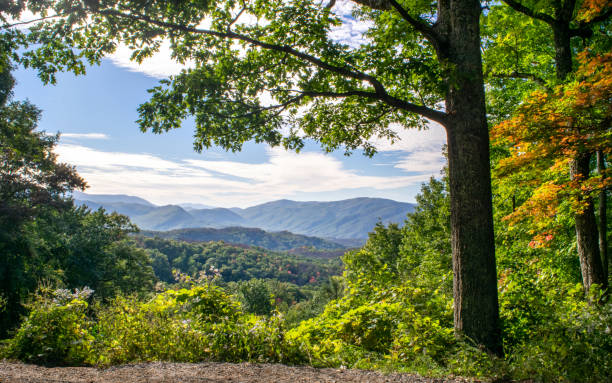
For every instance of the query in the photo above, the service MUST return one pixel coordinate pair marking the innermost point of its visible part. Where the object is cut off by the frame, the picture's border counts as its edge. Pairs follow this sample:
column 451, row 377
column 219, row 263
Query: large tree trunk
column 476, row 309
column 587, row 236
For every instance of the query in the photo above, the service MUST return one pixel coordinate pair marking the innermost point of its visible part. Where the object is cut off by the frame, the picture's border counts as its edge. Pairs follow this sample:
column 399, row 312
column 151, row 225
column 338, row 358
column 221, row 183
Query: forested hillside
column 279, row 241
column 234, row 262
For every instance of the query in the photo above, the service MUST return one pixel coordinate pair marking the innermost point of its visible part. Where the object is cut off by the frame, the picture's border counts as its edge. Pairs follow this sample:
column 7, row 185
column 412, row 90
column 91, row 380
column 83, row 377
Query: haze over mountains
column 346, row 219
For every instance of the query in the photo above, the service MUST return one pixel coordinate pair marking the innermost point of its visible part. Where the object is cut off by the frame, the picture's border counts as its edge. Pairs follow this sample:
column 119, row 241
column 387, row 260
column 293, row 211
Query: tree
column 547, row 133
column 557, row 27
column 416, row 56
column 255, row 297
column 32, row 186
column 426, row 248
column 44, row 238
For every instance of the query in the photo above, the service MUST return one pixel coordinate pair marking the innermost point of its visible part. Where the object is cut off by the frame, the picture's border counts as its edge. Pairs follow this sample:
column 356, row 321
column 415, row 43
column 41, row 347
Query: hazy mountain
column 132, row 210
column 195, row 206
column 351, row 218
column 217, row 217
column 346, row 219
column 109, row 198
column 150, row 217
column 164, row 218
column 277, row 241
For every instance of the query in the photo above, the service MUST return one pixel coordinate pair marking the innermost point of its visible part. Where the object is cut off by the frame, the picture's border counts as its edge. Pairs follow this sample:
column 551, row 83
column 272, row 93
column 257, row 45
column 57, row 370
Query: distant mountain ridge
column 276, row 241
column 109, row 198
column 345, row 219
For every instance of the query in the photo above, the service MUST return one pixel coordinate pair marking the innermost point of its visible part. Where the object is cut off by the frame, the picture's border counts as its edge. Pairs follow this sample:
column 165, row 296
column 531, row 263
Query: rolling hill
column 277, row 241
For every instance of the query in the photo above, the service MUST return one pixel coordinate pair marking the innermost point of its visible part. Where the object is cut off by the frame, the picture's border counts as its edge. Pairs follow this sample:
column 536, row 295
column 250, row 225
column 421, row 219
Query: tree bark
column 603, row 218
column 476, row 309
column 587, row 235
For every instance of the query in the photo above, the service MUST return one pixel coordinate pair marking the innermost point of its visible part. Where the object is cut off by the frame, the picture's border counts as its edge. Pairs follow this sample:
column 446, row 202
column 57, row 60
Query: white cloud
column 93, row 158
column 422, row 148
column 160, row 65
column 350, row 31
column 410, row 140
column 88, row 136
column 429, row 162
column 220, row 183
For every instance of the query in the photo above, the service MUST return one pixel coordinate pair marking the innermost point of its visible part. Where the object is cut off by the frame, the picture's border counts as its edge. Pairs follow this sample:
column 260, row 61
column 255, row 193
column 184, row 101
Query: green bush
column 56, row 330
column 188, row 325
column 386, row 328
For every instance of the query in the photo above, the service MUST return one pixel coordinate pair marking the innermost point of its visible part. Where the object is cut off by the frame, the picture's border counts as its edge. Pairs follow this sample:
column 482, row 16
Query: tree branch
column 379, row 93
column 236, row 36
column 424, row 111
column 417, row 23
column 432, row 114
column 584, row 28
column 602, row 17
column 420, row 25
column 566, row 11
column 229, row 26
column 517, row 6
column 379, row 5
column 524, row 75
column 31, row 21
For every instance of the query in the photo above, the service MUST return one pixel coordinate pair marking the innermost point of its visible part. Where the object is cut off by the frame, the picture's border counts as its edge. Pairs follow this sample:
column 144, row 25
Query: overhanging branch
column 584, row 28
column 236, row 36
column 417, row 23
column 379, row 92
column 523, row 75
column 27, row 22
column 517, row 6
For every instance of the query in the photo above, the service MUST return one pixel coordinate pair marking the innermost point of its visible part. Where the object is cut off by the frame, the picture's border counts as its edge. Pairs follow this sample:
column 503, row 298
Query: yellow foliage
column 550, row 129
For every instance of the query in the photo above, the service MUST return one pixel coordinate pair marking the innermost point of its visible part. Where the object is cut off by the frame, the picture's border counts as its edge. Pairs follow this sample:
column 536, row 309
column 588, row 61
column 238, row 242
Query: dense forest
column 234, row 262
column 501, row 271
column 281, row 241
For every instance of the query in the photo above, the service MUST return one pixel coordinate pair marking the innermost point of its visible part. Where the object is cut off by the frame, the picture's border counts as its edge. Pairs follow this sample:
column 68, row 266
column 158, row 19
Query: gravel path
column 201, row 373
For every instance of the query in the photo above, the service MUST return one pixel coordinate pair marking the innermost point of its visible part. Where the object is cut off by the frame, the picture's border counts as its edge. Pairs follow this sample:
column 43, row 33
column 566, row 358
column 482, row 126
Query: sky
column 96, row 117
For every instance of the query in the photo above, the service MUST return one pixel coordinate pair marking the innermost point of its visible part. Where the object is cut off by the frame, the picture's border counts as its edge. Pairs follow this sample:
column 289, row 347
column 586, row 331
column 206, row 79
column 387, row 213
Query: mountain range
column 345, row 219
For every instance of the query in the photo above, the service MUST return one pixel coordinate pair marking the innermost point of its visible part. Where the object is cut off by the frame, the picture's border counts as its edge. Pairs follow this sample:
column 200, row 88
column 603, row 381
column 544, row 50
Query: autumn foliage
column 548, row 130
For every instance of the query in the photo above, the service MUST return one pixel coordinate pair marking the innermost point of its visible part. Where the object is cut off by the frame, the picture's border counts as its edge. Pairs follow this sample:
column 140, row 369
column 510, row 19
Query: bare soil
column 202, row 373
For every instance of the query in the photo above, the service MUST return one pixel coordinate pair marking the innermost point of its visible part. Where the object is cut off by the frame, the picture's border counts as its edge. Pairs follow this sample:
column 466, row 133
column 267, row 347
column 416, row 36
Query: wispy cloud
column 87, row 136
column 419, row 151
column 160, row 65
column 410, row 140
column 221, row 183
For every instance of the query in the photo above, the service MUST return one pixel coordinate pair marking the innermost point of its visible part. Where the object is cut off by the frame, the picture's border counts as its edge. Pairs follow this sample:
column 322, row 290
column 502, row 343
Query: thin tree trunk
column 587, row 236
column 587, row 232
column 603, row 218
column 476, row 309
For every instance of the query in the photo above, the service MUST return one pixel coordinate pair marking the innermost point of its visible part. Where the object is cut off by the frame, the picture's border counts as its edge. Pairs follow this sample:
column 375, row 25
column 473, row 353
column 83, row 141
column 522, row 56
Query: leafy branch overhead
column 267, row 71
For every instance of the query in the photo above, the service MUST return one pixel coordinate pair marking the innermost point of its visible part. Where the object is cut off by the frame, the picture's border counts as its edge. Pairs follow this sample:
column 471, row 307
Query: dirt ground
column 201, row 373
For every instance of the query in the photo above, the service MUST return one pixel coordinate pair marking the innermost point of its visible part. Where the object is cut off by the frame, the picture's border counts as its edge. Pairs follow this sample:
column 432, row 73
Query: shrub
column 188, row 325
column 55, row 331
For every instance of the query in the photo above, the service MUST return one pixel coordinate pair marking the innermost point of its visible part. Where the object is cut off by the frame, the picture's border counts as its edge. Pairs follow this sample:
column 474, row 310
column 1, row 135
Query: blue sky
column 96, row 116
